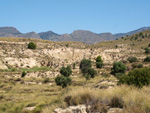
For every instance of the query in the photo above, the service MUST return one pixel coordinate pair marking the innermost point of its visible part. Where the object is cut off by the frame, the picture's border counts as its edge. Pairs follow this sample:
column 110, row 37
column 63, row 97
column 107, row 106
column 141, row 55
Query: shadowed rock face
column 78, row 35
column 49, row 35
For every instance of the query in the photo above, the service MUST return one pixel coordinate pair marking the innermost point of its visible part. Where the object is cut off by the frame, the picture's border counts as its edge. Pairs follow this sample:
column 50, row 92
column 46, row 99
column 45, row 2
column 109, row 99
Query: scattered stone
column 115, row 110
column 29, row 108
column 72, row 109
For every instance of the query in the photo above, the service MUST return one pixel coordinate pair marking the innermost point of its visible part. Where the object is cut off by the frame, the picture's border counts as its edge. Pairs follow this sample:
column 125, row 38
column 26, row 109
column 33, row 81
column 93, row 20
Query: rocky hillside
column 78, row 35
column 15, row 54
column 119, row 35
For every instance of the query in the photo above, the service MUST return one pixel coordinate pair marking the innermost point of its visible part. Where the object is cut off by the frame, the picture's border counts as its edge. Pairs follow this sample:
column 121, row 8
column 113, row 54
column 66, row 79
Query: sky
column 65, row 16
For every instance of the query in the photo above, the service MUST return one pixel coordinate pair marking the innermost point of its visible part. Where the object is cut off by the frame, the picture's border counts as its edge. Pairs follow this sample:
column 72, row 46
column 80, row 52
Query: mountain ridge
column 85, row 36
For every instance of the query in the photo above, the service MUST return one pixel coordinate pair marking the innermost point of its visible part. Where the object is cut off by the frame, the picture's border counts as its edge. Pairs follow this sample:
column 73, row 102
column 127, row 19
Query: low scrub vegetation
column 132, row 59
column 85, row 64
column 137, row 66
column 147, row 59
column 23, row 74
column 99, row 59
column 118, row 68
column 99, row 62
column 31, row 45
column 131, row 99
column 64, row 80
column 137, row 77
column 66, row 71
column 147, row 50
column 85, row 67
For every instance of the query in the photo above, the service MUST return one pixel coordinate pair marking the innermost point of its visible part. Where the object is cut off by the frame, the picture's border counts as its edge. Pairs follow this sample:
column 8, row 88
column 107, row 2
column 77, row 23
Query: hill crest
column 85, row 36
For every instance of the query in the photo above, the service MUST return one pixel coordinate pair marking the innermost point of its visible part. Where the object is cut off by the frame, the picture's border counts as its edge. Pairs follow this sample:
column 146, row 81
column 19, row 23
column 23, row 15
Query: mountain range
column 78, row 35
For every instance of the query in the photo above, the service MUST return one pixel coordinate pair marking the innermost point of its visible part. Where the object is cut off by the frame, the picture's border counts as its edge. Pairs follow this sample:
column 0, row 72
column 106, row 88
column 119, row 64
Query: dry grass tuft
column 131, row 99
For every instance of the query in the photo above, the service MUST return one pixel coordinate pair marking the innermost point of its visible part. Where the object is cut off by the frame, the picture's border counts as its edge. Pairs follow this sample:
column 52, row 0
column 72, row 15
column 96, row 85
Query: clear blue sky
column 65, row 16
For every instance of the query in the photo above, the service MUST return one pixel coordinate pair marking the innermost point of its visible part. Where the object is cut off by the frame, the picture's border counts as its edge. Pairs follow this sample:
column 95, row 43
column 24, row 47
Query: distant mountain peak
column 48, row 35
column 9, row 30
column 81, row 31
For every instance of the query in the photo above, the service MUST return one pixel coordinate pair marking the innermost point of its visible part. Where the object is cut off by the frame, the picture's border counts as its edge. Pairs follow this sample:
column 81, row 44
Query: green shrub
column 118, row 67
column 147, row 50
column 147, row 59
column 137, row 66
column 132, row 59
column 134, row 66
column 136, row 38
column 85, row 64
column 140, row 34
column 66, row 71
column 137, row 77
column 92, row 72
column 87, row 76
column 63, row 81
column 99, row 64
column 140, row 66
column 23, row 74
column 31, row 45
column 99, row 59
column 85, row 67
column 67, row 45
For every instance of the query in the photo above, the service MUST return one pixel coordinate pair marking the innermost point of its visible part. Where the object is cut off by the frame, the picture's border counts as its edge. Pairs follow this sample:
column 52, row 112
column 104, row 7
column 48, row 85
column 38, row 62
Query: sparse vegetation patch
column 31, row 45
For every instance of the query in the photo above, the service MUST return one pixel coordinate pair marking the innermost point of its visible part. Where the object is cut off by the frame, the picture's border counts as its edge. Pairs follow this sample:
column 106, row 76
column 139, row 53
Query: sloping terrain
column 37, row 92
